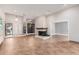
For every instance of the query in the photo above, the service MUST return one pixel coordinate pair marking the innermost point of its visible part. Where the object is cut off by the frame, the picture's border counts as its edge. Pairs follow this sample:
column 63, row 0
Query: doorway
column 8, row 29
column 30, row 28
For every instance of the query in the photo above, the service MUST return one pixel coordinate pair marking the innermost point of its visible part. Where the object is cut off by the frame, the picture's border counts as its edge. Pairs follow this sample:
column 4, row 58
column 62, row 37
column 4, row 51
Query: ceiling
column 33, row 10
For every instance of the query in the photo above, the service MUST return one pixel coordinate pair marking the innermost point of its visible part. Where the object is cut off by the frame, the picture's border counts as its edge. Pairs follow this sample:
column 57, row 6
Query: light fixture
column 48, row 12
column 16, row 19
column 65, row 4
column 14, row 10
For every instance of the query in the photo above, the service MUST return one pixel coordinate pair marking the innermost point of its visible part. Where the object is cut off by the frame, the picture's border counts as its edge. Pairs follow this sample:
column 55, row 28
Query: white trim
column 68, row 29
column 73, row 40
column 58, row 21
column 30, row 33
column 61, row 34
column 19, row 35
column 1, row 39
column 15, row 36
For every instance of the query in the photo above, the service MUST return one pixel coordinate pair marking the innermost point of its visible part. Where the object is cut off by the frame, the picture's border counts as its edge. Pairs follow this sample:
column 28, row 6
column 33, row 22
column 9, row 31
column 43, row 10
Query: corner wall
column 51, row 26
column 72, row 16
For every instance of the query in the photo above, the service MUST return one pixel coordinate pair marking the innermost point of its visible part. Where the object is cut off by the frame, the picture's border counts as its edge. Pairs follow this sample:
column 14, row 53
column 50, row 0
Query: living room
column 39, row 28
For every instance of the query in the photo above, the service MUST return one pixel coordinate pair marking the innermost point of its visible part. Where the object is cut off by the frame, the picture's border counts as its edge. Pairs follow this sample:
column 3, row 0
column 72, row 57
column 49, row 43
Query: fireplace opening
column 42, row 33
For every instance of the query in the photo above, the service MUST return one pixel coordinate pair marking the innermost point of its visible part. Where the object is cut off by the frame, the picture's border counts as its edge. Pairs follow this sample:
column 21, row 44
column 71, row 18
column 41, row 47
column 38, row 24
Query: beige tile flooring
column 30, row 45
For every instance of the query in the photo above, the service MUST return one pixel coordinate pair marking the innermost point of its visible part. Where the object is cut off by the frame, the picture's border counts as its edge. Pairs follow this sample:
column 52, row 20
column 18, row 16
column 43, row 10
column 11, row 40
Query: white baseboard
column 60, row 34
column 1, row 39
column 20, row 35
column 30, row 33
column 15, row 36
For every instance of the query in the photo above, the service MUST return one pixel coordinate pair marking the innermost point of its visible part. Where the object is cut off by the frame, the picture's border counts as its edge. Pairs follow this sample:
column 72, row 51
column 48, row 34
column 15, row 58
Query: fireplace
column 42, row 33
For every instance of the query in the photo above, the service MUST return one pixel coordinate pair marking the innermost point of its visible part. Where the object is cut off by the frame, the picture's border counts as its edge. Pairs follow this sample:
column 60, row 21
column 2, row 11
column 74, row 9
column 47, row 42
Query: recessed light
column 48, row 12
column 65, row 4
column 16, row 19
column 14, row 10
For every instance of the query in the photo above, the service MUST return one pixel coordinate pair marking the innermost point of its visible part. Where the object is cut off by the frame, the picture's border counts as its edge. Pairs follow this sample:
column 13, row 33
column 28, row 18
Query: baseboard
column 1, row 40
column 74, row 41
column 14, row 36
column 60, row 34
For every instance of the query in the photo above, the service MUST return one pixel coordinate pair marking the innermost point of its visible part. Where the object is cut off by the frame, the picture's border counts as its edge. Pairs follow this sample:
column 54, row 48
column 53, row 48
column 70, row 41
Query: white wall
column 41, row 22
column 72, row 15
column 51, row 26
column 74, row 24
